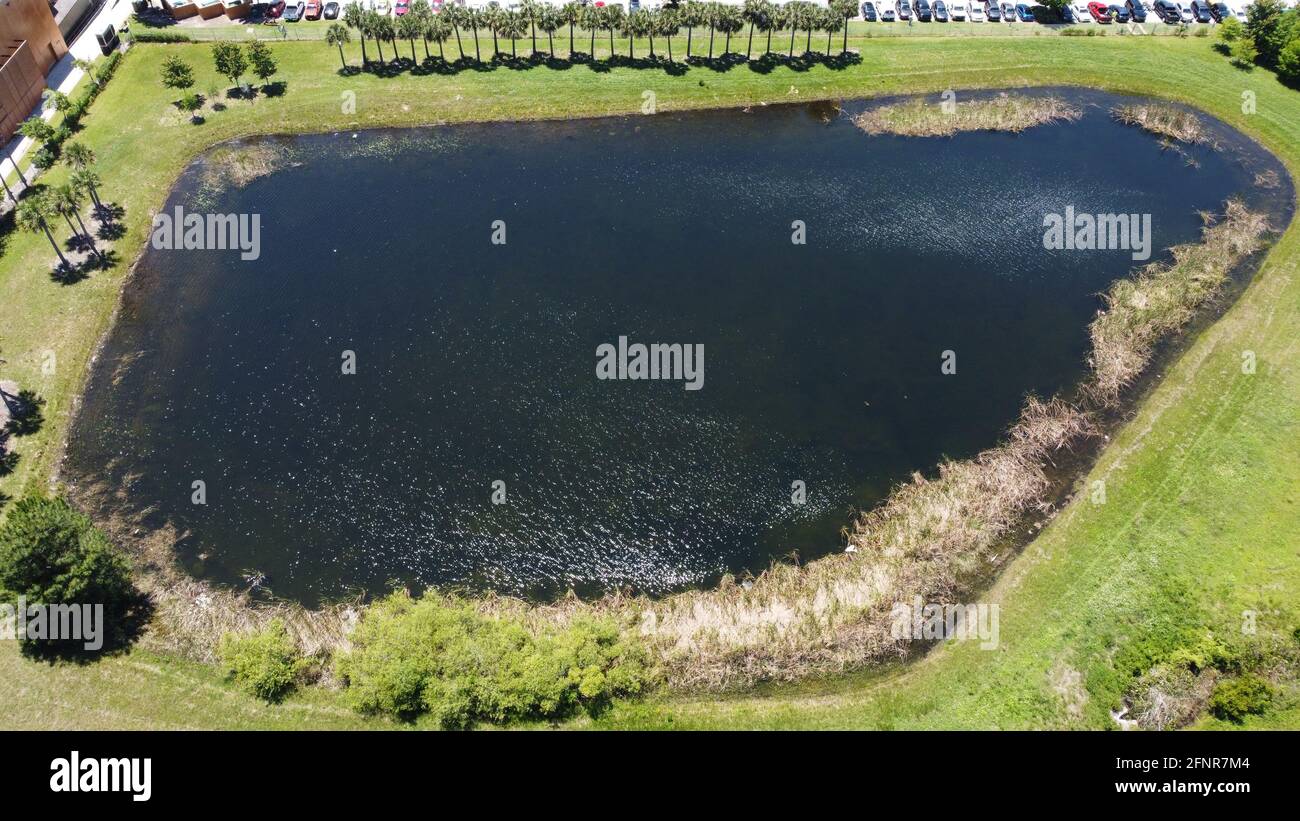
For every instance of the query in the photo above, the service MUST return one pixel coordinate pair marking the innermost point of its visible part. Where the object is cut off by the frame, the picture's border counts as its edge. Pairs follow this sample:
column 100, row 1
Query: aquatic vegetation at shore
column 1170, row 122
column 1005, row 112
column 1163, row 297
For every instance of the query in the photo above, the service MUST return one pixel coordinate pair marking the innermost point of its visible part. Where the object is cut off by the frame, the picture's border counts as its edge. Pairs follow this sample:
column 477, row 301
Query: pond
column 470, row 274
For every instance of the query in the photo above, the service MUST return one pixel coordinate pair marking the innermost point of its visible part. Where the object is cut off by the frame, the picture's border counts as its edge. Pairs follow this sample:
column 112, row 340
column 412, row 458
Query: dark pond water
column 476, row 362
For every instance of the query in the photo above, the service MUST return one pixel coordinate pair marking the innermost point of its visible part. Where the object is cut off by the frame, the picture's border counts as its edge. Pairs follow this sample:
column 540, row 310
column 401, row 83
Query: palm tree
column 409, row 27
column 793, row 13
column 530, row 10
column 438, row 29
column 711, row 15
column 614, row 17
column 811, row 21
column 88, row 181
column 423, row 13
column 693, row 13
column 548, row 20
column 846, row 9
column 31, row 216
column 753, row 11
column 454, row 15
column 649, row 24
column 370, row 28
column 78, row 156
column 475, row 18
column 493, row 19
column 628, row 28
column 730, row 20
column 337, row 35
column 355, row 17
column 832, row 22
column 592, row 18
column 67, row 201
column 570, row 13
column 668, row 22
column 388, row 29
column 515, row 27
column 768, row 22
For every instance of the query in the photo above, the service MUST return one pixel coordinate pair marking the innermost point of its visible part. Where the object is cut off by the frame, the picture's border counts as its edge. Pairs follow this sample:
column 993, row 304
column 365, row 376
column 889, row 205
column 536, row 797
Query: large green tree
column 229, row 61
column 51, row 554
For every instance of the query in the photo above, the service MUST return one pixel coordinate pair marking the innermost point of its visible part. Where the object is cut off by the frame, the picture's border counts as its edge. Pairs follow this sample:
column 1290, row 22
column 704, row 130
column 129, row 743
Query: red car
column 1099, row 12
column 314, row 8
column 402, row 7
column 273, row 12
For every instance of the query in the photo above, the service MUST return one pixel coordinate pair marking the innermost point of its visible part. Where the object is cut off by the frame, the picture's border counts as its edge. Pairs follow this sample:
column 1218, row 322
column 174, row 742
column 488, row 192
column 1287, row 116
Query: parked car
column 1099, row 12
column 1119, row 14
column 1081, row 14
column 957, row 11
column 1067, row 14
column 976, row 12
column 869, row 11
column 401, row 7
column 313, row 10
column 886, row 13
column 1201, row 11
column 992, row 12
column 922, row 10
column 1008, row 13
column 331, row 11
column 1167, row 11
column 940, row 11
column 1220, row 12
column 293, row 14
column 379, row 6
column 904, row 10
column 273, row 12
column 1136, row 11
column 1023, row 13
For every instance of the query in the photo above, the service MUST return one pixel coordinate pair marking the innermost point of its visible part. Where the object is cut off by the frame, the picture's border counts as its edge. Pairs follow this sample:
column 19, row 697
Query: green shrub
column 265, row 664
column 160, row 37
column 441, row 656
column 1288, row 63
column 1236, row 698
column 51, row 554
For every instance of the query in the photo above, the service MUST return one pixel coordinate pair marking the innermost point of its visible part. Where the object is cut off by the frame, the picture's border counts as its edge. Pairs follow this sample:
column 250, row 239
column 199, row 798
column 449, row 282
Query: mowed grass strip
column 1203, row 487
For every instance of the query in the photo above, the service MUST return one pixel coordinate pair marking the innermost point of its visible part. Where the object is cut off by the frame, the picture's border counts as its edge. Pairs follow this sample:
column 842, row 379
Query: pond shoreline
column 494, row 603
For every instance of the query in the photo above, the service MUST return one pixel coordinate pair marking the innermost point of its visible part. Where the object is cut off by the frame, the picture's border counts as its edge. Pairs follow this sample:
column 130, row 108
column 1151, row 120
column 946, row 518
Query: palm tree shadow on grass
column 73, row 273
column 26, row 414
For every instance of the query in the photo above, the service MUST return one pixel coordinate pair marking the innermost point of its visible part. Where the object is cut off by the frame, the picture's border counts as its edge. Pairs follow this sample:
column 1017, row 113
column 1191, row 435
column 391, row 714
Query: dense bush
column 441, row 656
column 51, row 554
column 1236, row 698
column 264, row 664
column 138, row 36
column 1288, row 63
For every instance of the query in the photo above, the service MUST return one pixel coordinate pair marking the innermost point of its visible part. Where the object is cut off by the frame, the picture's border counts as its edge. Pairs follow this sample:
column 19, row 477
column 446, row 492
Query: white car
column 1081, row 13
column 957, row 11
column 976, row 12
column 886, row 12
column 1185, row 11
column 380, row 6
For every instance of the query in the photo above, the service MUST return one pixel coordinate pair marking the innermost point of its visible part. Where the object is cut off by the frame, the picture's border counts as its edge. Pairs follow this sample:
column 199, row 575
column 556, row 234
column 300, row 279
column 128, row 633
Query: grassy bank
column 1165, row 549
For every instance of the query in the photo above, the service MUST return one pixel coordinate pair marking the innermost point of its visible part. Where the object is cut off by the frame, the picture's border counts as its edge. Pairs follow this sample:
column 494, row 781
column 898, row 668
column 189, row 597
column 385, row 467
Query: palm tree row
column 35, row 211
column 424, row 24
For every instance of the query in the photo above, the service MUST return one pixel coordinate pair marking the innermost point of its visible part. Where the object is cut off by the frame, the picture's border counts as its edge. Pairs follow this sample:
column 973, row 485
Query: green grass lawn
column 1203, row 483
